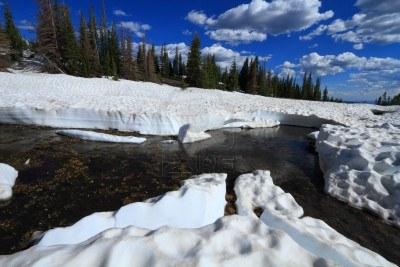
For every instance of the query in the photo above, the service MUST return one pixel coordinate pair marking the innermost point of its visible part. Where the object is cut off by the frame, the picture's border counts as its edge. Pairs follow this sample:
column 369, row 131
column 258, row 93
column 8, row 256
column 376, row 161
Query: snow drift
column 101, row 137
column 8, row 175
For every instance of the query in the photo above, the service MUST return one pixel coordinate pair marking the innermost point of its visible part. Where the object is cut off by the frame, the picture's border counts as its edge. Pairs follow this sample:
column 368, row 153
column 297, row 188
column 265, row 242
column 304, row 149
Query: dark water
column 67, row 179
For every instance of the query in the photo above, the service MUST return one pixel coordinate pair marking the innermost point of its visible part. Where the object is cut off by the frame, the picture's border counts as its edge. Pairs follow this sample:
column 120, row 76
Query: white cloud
column 358, row 46
column 199, row 18
column 253, row 21
column 120, row 13
column 26, row 25
column 376, row 22
column 135, row 27
column 236, row 36
column 373, row 75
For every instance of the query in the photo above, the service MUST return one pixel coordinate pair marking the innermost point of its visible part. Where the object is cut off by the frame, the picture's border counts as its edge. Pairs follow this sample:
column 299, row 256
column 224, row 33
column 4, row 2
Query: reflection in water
column 68, row 178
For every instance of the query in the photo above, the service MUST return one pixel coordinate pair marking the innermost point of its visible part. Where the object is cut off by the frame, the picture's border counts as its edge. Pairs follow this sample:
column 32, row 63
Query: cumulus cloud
column 135, row 27
column 254, row 21
column 365, row 73
column 376, row 22
column 120, row 13
column 236, row 36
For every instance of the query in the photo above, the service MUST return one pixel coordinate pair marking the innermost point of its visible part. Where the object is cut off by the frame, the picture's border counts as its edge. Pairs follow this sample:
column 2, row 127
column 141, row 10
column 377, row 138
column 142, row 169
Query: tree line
column 386, row 100
column 101, row 49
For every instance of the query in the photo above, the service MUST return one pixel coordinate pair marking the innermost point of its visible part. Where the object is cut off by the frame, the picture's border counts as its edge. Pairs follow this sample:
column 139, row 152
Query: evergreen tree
column 141, row 60
column 244, row 75
column 194, row 62
column 182, row 67
column 176, row 63
column 84, row 44
column 93, row 53
column 128, row 66
column 252, row 80
column 16, row 42
column 233, row 78
column 67, row 42
column 325, row 96
column 47, row 33
column 4, row 49
column 151, row 71
column 165, row 64
column 317, row 90
column 114, row 52
column 262, row 81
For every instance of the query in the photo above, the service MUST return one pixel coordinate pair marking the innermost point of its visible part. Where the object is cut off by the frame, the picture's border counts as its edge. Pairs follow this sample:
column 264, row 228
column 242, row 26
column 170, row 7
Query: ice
column 101, row 137
column 362, row 167
column 199, row 202
column 313, row 136
column 8, row 175
column 281, row 211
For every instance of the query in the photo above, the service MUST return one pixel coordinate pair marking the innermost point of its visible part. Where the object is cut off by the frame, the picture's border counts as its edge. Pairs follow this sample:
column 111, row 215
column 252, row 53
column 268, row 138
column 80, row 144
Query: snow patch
column 282, row 212
column 187, row 134
column 199, row 202
column 101, row 137
column 362, row 167
column 8, row 175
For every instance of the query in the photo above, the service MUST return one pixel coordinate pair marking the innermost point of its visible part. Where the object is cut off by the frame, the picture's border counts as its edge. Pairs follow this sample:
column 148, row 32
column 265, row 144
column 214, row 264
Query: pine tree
column 176, row 63
column 317, row 90
column 4, row 49
column 67, row 42
column 182, row 67
column 244, row 75
column 194, row 62
column 128, row 66
column 141, row 61
column 85, row 47
column 262, row 81
column 233, row 78
column 114, row 52
column 16, row 42
column 252, row 80
column 47, row 33
column 325, row 96
column 165, row 68
column 93, row 53
column 151, row 71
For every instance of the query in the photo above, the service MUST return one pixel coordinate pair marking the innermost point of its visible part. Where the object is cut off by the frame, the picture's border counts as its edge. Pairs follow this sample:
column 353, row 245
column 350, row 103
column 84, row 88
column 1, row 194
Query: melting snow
column 8, row 175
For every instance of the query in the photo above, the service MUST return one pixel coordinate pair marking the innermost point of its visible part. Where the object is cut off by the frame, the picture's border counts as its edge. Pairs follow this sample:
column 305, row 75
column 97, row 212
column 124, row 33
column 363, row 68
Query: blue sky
column 352, row 44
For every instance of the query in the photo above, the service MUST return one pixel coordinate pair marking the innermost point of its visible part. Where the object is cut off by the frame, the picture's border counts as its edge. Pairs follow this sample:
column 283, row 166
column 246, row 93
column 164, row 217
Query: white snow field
column 280, row 238
column 101, row 137
column 8, row 175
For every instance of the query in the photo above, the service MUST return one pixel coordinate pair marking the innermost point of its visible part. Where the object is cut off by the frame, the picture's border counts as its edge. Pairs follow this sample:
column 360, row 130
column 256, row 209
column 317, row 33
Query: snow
column 199, row 202
column 281, row 238
column 281, row 211
column 313, row 136
column 189, row 135
column 101, row 137
column 362, row 167
column 8, row 175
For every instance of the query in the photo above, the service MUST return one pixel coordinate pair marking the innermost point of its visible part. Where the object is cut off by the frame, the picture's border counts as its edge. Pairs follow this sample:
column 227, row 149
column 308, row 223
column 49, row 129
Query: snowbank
column 8, row 175
column 362, row 167
column 199, row 202
column 231, row 241
column 281, row 211
column 63, row 101
column 101, row 137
